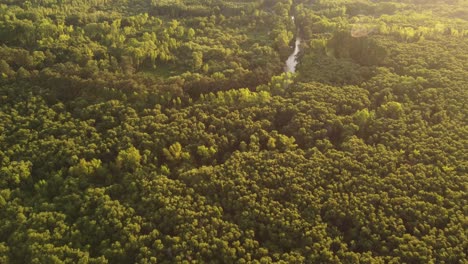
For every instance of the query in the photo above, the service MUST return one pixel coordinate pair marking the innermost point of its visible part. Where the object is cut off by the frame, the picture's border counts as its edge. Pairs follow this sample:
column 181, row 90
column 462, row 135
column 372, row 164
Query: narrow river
column 291, row 62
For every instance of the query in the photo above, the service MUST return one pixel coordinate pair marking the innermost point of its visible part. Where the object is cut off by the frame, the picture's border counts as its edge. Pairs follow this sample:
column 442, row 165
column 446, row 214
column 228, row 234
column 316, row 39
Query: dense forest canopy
column 157, row 131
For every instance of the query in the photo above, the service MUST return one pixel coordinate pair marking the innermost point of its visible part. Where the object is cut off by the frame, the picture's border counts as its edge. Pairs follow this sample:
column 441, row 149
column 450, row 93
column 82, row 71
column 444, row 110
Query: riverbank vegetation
column 165, row 131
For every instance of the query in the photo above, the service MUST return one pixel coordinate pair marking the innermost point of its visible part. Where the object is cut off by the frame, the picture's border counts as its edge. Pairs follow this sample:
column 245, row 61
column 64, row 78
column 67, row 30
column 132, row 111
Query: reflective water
column 292, row 60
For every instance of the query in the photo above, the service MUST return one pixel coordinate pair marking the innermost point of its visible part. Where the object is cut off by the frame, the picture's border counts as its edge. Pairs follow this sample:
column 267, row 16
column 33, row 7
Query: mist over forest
column 245, row 131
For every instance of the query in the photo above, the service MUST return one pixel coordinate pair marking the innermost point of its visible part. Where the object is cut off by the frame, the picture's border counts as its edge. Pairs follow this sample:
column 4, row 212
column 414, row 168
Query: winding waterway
column 291, row 62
